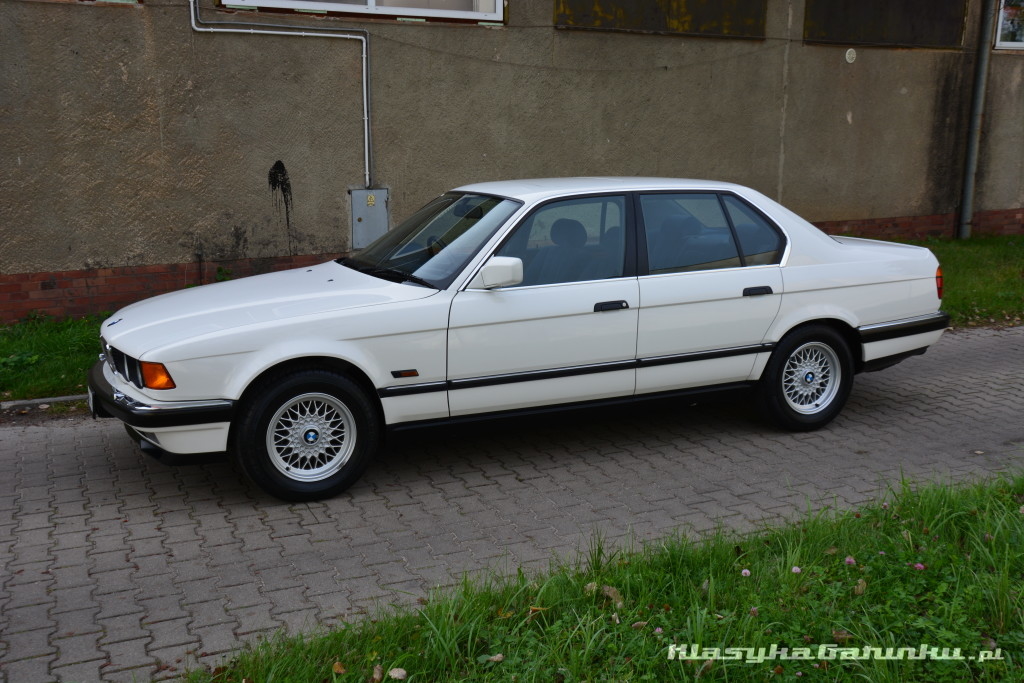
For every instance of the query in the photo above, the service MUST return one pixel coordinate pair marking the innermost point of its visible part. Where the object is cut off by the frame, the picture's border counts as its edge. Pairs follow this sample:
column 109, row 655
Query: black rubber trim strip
column 105, row 406
column 576, row 371
column 411, row 389
column 903, row 328
column 705, row 355
column 534, row 375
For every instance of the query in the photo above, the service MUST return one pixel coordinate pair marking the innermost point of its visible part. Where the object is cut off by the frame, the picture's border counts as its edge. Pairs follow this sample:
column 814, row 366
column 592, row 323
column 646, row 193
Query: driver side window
column 573, row 240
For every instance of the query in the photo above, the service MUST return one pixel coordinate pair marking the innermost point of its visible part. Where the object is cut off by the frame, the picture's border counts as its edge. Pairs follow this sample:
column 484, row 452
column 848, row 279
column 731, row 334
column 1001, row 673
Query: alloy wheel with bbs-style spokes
column 305, row 435
column 311, row 437
column 807, row 379
column 811, row 378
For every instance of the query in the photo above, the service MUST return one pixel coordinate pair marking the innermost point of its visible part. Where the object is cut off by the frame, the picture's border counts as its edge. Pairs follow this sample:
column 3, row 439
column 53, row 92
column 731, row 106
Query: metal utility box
column 369, row 215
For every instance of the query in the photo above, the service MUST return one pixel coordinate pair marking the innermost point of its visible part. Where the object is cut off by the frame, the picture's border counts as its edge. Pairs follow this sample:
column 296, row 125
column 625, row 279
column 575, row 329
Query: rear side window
column 687, row 232
column 760, row 243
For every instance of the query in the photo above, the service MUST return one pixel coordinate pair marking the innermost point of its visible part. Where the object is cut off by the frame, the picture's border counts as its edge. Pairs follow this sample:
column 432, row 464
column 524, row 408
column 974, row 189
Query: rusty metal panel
column 720, row 18
column 906, row 23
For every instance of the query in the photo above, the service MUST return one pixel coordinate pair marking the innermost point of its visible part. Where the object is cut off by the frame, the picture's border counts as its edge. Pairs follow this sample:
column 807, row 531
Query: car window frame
column 643, row 264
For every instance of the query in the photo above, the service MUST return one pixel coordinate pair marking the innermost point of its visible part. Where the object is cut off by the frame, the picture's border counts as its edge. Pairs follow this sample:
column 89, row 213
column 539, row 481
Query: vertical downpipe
column 988, row 12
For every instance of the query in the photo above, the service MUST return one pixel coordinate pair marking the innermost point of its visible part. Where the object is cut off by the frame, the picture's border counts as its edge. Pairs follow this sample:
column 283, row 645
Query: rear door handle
column 757, row 291
column 610, row 306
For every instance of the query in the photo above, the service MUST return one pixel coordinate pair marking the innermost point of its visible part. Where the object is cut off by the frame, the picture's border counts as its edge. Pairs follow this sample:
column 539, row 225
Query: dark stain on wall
column 950, row 115
column 281, row 189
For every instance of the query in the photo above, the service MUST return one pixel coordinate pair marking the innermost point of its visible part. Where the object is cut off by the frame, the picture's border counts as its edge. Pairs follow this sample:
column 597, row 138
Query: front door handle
column 757, row 291
column 610, row 306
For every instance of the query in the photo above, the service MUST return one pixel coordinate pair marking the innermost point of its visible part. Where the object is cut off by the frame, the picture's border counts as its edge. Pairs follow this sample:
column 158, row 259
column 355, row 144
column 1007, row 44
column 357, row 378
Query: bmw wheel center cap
column 311, row 436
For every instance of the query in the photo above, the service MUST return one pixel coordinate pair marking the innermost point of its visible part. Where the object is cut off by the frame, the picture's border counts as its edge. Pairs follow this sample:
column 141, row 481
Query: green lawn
column 940, row 567
column 984, row 283
column 984, row 279
column 43, row 357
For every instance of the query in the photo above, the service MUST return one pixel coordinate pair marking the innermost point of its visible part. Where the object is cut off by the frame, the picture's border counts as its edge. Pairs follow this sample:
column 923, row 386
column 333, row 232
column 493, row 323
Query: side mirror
column 500, row 271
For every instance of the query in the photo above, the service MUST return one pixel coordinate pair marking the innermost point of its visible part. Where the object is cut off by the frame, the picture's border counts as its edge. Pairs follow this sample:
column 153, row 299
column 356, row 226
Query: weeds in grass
column 937, row 567
column 984, row 279
column 42, row 356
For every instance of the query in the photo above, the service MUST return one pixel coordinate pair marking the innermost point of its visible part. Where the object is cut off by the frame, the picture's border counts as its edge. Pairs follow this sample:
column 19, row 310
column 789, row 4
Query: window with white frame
column 473, row 10
column 1010, row 34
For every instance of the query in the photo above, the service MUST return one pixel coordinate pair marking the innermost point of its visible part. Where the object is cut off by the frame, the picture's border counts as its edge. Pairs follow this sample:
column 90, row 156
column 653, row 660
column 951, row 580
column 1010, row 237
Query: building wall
column 131, row 141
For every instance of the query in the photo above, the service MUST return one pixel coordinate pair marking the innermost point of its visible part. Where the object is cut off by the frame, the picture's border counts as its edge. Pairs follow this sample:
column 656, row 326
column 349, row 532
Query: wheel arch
column 329, row 363
column 844, row 329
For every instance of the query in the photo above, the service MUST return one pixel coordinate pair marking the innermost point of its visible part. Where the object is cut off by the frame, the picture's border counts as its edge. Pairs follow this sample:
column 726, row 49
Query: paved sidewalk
column 116, row 567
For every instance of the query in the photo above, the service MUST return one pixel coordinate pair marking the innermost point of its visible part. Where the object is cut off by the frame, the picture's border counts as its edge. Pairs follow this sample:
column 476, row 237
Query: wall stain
column 950, row 121
column 278, row 180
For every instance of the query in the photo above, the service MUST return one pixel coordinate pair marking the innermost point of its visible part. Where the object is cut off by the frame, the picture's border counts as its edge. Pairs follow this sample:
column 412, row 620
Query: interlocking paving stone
column 118, row 567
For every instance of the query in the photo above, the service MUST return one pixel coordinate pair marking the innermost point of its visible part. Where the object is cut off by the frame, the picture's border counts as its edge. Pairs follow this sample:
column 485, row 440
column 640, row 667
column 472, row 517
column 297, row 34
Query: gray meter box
column 369, row 216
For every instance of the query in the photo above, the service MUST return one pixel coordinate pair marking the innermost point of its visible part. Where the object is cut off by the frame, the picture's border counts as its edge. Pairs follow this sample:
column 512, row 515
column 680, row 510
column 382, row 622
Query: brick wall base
column 1004, row 222
column 81, row 292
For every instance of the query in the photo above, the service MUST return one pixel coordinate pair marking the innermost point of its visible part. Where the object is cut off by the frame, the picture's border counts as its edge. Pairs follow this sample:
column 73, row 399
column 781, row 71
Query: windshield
column 432, row 246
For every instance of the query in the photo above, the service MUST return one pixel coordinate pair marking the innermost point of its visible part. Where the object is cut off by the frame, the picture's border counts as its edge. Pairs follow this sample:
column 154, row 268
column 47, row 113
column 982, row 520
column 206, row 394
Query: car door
column 567, row 332
column 712, row 289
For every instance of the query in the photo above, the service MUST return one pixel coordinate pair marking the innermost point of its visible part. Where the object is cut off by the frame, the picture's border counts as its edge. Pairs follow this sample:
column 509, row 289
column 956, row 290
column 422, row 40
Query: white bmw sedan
column 513, row 296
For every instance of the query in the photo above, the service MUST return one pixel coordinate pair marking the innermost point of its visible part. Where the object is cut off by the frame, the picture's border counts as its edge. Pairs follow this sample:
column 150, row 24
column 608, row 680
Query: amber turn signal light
column 938, row 281
column 155, row 375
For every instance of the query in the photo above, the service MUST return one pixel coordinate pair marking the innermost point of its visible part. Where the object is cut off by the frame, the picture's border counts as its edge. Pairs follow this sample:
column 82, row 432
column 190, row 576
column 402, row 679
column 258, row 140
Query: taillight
column 938, row 281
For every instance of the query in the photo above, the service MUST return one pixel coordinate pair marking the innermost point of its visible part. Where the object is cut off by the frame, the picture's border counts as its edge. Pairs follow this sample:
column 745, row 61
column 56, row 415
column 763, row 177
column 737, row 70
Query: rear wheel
column 808, row 379
column 306, row 435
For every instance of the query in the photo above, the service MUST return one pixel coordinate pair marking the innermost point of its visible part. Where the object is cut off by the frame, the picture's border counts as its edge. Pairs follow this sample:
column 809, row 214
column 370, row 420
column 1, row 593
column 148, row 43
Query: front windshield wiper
column 399, row 275
column 386, row 273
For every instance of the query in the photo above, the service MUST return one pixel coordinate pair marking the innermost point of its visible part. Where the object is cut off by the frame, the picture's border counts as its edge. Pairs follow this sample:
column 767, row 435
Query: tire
column 807, row 380
column 306, row 435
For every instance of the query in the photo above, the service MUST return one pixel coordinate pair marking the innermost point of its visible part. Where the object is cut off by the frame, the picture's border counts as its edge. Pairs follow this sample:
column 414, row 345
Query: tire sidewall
column 771, row 391
column 249, row 442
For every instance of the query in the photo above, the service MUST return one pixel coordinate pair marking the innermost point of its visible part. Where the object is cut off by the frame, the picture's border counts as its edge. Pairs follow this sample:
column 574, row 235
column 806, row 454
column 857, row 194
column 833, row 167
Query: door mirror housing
column 499, row 271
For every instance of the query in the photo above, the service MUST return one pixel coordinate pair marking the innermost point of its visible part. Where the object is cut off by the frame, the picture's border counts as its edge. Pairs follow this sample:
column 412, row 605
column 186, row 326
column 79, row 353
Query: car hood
column 249, row 302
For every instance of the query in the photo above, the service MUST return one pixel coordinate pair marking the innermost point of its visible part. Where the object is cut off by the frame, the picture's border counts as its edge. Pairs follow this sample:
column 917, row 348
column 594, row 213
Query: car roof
column 537, row 189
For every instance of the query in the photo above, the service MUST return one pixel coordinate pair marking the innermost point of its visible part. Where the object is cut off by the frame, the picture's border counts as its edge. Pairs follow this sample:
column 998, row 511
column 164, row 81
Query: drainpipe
column 287, row 30
column 988, row 12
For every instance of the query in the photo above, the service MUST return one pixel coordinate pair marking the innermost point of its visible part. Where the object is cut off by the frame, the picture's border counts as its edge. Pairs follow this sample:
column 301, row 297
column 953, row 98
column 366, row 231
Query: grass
column 42, row 356
column 984, row 283
column 938, row 566
column 984, row 279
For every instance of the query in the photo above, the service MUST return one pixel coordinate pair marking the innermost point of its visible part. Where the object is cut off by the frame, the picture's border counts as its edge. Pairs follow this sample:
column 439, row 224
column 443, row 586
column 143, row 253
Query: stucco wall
column 129, row 139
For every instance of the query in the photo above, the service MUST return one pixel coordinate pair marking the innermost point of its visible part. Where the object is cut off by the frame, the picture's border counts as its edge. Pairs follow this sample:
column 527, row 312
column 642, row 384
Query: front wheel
column 306, row 435
column 807, row 379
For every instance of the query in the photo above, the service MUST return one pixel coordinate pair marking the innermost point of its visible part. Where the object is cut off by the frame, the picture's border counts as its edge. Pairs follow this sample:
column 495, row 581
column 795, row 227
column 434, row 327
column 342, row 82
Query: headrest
column 566, row 232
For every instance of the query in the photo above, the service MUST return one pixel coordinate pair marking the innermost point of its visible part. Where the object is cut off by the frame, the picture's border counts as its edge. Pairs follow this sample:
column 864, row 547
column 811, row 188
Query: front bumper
column 106, row 401
column 180, row 427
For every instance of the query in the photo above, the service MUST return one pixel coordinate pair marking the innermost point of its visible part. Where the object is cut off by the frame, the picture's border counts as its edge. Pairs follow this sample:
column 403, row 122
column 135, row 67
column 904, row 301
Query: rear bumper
column 886, row 344
column 909, row 327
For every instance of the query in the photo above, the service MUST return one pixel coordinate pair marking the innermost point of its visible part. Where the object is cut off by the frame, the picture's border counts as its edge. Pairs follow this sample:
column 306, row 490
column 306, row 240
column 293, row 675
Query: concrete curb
column 32, row 402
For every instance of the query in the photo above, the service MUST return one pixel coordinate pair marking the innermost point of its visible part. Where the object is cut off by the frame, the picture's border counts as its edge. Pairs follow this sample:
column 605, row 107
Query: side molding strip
column 574, row 371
